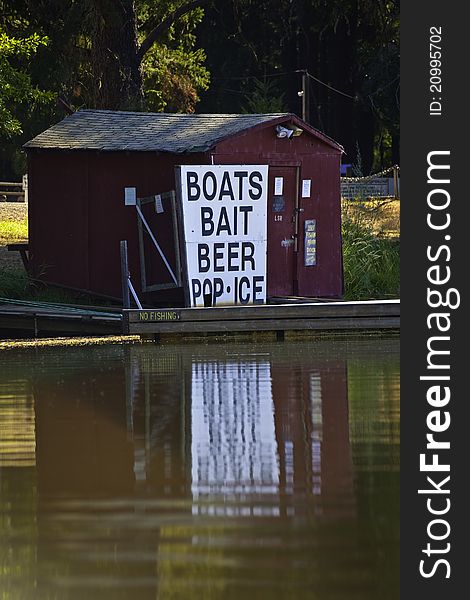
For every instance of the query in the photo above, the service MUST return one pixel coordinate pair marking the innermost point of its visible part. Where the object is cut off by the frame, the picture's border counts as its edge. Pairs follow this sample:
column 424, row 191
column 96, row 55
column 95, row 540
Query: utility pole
column 305, row 97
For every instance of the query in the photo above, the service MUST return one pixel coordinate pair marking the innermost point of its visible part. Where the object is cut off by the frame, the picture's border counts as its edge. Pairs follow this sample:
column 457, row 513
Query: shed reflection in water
column 205, row 472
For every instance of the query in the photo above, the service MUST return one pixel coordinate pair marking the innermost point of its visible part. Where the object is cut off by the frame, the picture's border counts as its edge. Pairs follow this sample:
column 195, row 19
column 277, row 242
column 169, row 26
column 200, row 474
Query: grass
column 381, row 216
column 13, row 231
column 14, row 284
column 371, row 253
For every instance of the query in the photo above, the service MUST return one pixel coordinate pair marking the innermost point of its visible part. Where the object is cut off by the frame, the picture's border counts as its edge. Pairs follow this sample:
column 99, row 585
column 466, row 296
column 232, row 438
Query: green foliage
column 16, row 87
column 264, row 98
column 371, row 264
column 91, row 59
column 173, row 78
column 173, row 70
column 87, row 53
column 181, row 33
column 13, row 283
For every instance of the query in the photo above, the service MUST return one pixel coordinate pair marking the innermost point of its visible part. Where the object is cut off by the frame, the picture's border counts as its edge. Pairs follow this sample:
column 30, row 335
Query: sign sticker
column 310, row 248
column 306, row 188
column 278, row 186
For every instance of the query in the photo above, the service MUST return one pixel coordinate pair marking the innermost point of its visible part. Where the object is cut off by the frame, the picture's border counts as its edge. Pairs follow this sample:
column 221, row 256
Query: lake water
column 201, row 471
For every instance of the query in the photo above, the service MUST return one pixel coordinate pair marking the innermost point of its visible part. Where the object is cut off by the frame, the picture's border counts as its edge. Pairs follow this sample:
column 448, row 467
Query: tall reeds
column 371, row 262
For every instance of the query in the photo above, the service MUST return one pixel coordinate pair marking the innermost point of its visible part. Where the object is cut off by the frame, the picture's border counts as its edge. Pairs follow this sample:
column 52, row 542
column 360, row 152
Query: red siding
column 319, row 162
column 58, row 217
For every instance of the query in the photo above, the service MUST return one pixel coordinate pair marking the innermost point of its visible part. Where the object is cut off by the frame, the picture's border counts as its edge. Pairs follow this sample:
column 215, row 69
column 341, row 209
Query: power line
column 330, row 87
column 316, row 79
column 287, row 73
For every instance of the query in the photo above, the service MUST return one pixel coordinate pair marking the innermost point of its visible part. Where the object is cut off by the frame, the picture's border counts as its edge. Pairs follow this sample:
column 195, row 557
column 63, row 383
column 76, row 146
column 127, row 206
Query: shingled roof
column 158, row 132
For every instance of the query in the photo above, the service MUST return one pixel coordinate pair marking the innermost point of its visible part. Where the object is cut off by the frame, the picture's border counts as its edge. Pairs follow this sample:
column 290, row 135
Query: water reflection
column 18, row 434
column 201, row 472
column 233, row 443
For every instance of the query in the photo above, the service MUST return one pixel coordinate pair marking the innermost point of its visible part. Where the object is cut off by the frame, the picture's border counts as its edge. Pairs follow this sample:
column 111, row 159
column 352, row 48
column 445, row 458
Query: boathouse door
column 282, row 215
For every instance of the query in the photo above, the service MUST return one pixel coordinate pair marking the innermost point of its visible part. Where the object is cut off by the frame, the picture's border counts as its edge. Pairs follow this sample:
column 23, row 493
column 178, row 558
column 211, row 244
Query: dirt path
column 13, row 211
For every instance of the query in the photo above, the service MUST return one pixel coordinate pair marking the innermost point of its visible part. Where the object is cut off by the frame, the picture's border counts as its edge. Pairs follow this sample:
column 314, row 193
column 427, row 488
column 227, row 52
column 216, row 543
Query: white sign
column 130, row 197
column 225, row 229
column 278, row 186
column 306, row 186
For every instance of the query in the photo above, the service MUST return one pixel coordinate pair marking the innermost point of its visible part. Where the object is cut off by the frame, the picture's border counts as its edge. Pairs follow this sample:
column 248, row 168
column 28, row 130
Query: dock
column 40, row 320
column 302, row 316
column 28, row 319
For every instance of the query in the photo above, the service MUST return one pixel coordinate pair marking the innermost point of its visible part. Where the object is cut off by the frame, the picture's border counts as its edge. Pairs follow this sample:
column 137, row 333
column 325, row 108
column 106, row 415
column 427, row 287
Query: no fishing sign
column 225, row 233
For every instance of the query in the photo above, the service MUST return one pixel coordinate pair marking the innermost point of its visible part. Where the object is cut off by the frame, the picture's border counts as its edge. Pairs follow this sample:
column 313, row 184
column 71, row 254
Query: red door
column 281, row 265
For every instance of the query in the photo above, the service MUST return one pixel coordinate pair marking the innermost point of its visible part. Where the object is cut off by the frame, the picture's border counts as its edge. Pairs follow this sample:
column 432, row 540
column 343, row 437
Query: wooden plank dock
column 29, row 320
column 310, row 316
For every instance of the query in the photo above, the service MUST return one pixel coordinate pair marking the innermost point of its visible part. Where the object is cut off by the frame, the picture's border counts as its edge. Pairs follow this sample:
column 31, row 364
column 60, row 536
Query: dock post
column 126, row 301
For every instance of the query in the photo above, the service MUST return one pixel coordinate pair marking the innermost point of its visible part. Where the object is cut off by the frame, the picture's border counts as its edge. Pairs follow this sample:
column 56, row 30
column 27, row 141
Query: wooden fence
column 14, row 191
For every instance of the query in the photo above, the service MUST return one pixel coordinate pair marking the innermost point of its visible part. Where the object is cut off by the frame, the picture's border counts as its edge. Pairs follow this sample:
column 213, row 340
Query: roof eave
column 288, row 117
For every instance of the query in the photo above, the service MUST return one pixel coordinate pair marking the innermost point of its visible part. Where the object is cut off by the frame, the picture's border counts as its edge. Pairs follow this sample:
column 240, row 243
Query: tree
column 114, row 54
column 173, row 67
column 122, row 43
column 117, row 53
column 15, row 82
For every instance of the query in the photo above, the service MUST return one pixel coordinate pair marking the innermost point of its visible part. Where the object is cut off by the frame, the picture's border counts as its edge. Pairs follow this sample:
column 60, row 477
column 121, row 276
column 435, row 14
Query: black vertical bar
column 126, row 301
column 433, row 275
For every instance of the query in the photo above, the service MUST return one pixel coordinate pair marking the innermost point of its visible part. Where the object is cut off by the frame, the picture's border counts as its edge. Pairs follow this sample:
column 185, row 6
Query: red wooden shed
column 78, row 170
